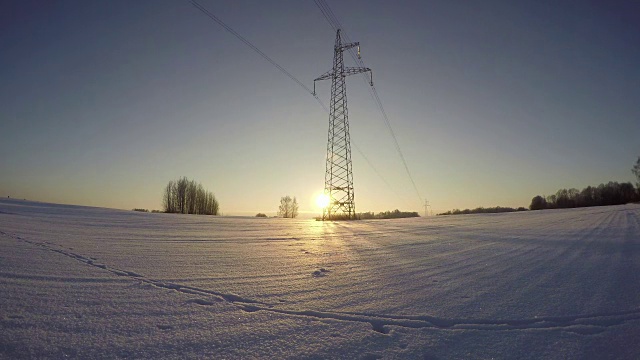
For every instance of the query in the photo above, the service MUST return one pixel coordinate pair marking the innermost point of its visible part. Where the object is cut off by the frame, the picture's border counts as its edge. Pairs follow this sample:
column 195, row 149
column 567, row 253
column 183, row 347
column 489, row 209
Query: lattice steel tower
column 338, row 178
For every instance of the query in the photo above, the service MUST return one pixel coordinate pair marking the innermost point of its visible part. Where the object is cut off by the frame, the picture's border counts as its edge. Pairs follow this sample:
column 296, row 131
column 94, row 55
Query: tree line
column 612, row 193
column 184, row 196
column 395, row 214
column 483, row 210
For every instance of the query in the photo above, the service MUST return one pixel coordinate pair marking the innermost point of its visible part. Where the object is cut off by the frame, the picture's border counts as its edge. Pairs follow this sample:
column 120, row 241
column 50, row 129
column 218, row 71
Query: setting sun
column 322, row 201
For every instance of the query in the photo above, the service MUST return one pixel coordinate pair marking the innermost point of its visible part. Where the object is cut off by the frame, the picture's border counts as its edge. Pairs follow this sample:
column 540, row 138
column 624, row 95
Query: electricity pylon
column 338, row 178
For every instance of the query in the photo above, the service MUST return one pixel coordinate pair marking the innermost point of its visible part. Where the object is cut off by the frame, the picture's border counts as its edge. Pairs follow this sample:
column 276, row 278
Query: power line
column 377, row 173
column 326, row 14
column 329, row 15
column 335, row 24
column 395, row 141
column 255, row 48
column 249, row 44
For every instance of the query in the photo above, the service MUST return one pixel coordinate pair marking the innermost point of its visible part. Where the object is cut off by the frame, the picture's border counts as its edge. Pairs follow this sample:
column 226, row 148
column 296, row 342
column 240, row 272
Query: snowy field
column 80, row 282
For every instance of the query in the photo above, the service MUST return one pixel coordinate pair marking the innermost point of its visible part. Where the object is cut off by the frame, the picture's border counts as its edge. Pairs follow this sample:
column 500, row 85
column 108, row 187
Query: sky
column 492, row 102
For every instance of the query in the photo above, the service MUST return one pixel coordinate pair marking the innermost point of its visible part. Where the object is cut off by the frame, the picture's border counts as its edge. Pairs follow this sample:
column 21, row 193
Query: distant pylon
column 426, row 207
column 338, row 178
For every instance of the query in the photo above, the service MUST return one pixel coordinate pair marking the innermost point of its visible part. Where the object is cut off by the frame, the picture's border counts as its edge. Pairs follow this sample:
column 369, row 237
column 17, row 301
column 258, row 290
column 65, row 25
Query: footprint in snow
column 321, row 272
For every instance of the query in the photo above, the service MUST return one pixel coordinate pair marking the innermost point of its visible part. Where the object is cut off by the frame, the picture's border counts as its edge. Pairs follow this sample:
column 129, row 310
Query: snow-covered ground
column 86, row 282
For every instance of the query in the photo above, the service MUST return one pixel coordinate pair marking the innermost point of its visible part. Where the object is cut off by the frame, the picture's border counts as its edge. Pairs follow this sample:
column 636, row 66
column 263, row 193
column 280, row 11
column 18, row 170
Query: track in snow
column 592, row 323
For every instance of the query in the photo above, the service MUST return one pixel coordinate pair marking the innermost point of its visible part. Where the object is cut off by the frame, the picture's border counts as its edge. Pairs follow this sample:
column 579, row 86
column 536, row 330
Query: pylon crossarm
column 355, row 70
column 344, row 47
column 326, row 76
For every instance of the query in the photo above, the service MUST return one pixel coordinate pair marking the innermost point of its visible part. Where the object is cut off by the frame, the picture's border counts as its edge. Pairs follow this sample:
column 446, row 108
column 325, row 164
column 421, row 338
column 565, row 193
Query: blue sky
column 102, row 103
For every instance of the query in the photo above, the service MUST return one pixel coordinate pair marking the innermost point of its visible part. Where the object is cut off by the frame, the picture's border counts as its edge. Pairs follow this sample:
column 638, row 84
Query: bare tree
column 294, row 208
column 285, row 202
column 192, row 196
column 201, row 200
column 181, row 194
column 167, row 198
column 288, row 207
column 636, row 171
column 213, row 207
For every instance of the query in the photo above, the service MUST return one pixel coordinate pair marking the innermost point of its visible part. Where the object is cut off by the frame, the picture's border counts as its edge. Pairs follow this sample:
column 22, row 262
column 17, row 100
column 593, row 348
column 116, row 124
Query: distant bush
column 538, row 203
column 395, row 214
column 261, row 215
column 156, row 211
column 141, row 210
column 185, row 196
column 482, row 210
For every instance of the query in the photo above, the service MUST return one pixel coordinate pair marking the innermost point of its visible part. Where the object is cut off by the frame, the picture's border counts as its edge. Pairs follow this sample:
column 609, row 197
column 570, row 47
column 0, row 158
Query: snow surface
column 84, row 282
